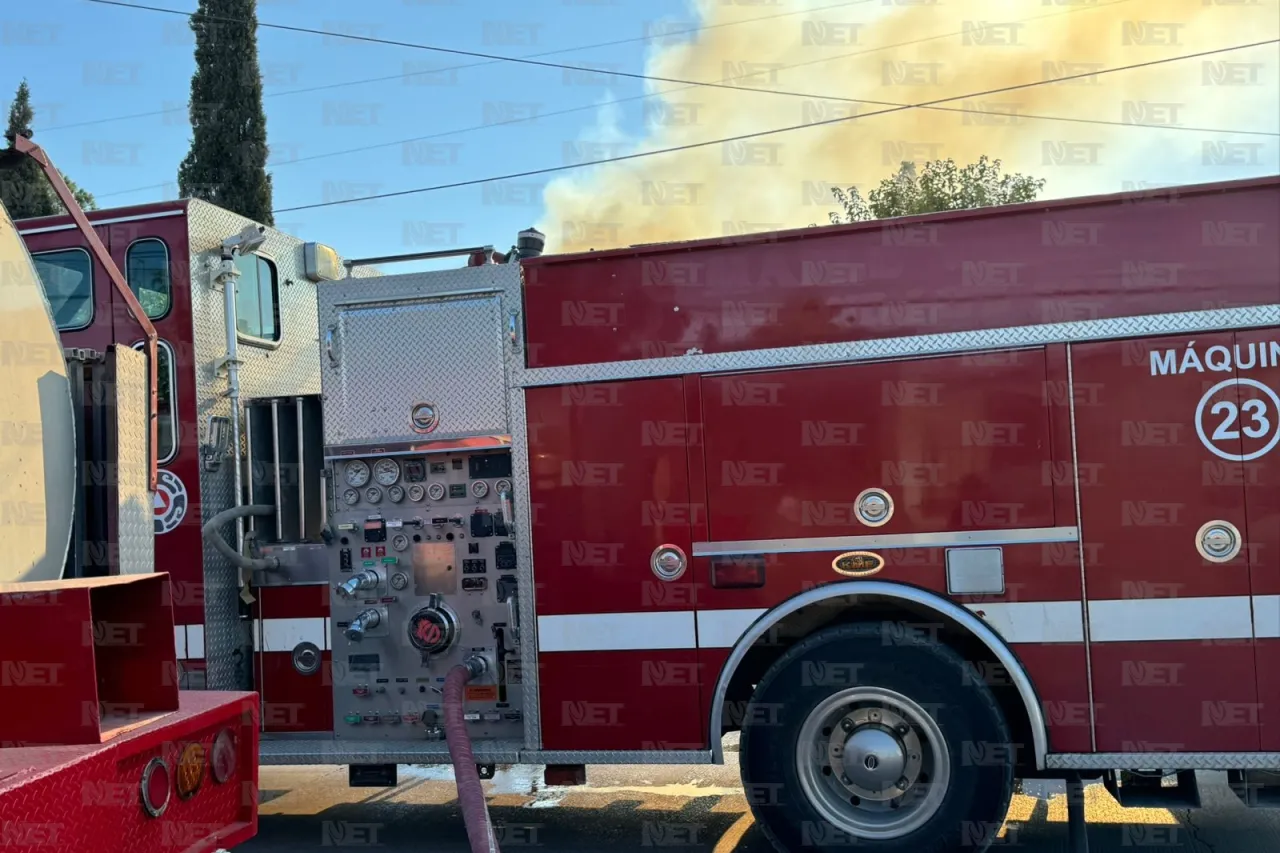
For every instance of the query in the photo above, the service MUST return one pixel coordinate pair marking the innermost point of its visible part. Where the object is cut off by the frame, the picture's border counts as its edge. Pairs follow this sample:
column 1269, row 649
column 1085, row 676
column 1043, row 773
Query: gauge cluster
column 421, row 481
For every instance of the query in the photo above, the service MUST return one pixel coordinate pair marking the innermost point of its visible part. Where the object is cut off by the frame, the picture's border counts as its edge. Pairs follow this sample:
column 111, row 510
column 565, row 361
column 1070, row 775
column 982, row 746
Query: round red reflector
column 223, row 761
column 190, row 770
column 155, row 787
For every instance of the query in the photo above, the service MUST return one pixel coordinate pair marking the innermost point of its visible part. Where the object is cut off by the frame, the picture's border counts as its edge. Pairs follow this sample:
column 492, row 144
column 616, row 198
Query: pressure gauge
column 373, row 494
column 502, row 486
column 400, row 542
column 357, row 473
column 386, row 472
column 435, row 491
column 351, row 497
column 399, row 581
column 417, row 493
column 395, row 494
column 479, row 489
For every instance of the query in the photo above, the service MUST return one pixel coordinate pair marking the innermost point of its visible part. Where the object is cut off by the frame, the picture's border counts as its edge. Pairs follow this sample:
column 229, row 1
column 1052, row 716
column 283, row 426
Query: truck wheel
column 856, row 736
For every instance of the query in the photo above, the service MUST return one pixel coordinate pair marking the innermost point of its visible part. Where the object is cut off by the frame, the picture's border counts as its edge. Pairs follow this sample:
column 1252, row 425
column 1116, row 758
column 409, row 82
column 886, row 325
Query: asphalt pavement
column 628, row 809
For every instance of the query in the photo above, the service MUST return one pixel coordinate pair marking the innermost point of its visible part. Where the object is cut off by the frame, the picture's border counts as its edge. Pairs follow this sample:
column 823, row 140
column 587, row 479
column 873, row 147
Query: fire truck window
column 167, row 412
column 257, row 299
column 67, row 277
column 147, row 269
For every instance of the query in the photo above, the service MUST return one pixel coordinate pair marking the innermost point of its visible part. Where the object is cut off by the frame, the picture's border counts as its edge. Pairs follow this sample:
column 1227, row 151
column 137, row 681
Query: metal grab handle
column 328, row 345
column 513, row 616
column 508, row 512
column 513, row 329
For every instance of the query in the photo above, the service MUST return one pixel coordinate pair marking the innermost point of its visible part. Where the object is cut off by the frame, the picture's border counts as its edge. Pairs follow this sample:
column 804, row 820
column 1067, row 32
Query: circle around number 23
column 1253, row 419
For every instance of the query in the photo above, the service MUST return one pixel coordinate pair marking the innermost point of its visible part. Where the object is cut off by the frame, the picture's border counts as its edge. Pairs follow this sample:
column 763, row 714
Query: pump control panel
column 422, row 576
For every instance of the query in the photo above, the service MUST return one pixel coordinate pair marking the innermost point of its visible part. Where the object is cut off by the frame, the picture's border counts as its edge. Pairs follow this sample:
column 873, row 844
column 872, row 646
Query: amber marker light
column 190, row 770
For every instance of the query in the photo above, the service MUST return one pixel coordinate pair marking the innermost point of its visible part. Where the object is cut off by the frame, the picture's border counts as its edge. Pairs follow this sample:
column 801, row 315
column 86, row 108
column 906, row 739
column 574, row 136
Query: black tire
column 872, row 655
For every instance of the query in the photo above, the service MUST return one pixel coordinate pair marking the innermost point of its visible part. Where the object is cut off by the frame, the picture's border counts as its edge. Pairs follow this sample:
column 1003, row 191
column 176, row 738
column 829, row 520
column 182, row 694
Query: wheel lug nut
column 903, row 783
column 847, row 725
column 844, row 779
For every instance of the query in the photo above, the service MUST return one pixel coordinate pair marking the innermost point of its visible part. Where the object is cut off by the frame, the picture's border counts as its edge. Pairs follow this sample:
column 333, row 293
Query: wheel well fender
column 822, row 606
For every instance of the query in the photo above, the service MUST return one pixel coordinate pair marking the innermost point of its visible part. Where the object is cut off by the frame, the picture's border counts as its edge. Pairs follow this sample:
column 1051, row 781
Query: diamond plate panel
column 396, row 341
column 324, row 751
column 986, row 339
column 1164, row 761
column 290, row 367
column 393, row 356
column 328, row 751
column 135, row 519
column 524, row 571
column 583, row 756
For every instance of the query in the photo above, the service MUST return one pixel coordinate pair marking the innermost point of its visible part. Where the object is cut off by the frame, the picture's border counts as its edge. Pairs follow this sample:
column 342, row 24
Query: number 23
column 1256, row 408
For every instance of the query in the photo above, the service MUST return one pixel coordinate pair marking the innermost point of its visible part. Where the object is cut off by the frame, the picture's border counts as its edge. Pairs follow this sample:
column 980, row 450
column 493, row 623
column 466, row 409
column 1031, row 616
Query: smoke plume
column 908, row 51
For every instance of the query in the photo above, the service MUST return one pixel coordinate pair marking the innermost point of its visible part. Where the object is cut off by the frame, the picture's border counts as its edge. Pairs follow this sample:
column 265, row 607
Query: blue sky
column 86, row 62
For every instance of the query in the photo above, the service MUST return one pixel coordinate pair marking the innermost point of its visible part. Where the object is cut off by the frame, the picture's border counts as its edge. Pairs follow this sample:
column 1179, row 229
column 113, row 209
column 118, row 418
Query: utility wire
column 776, row 130
column 693, row 85
column 630, row 75
column 666, row 34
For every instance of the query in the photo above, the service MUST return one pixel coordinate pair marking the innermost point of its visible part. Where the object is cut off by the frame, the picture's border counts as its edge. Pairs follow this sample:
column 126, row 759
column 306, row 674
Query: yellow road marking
column 1101, row 807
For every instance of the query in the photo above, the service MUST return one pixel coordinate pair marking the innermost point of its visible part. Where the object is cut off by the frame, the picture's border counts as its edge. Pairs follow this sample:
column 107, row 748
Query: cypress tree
column 227, row 161
column 24, row 189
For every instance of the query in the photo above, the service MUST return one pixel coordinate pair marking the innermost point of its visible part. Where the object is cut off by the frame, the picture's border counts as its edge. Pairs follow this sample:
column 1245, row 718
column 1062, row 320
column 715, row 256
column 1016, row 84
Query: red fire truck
column 919, row 506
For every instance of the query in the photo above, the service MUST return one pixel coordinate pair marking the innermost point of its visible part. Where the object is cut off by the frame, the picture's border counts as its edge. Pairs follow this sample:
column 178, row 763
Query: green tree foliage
column 940, row 185
column 24, row 190
column 84, row 198
column 227, row 161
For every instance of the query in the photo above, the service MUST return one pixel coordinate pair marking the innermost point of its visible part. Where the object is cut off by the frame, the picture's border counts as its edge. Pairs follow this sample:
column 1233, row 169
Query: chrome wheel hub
column 873, row 762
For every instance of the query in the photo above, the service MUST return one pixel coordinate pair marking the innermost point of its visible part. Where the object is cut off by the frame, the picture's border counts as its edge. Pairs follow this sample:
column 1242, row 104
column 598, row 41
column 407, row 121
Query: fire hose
column 210, row 534
column 475, row 811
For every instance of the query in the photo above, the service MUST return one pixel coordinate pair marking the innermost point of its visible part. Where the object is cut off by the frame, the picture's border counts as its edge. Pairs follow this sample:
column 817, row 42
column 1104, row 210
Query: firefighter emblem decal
column 170, row 501
column 857, row 564
column 424, row 418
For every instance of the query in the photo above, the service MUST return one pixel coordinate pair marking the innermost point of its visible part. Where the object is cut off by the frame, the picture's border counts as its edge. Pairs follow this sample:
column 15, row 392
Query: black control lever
column 500, row 655
column 506, row 588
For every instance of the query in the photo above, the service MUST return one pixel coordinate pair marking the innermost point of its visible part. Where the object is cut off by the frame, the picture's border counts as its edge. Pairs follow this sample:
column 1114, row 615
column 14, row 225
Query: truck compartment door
column 401, row 391
column 609, row 486
column 958, row 443
column 1171, row 637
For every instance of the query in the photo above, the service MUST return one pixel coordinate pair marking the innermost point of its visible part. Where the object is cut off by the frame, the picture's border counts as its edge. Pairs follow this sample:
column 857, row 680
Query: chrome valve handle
column 362, row 624
column 368, row 579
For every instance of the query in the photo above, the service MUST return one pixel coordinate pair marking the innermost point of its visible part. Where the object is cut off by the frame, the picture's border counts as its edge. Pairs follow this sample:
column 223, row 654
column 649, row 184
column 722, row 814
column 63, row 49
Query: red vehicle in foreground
column 918, row 506
column 99, row 748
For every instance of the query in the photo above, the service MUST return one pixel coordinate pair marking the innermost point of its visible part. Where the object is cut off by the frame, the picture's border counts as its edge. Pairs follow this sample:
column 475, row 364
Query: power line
column 693, row 85
column 774, row 131
column 630, row 75
column 384, row 79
